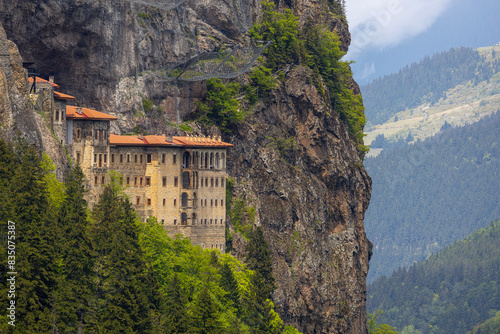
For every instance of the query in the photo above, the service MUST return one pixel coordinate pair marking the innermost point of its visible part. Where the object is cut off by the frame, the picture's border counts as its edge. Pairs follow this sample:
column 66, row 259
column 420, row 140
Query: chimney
column 79, row 110
column 168, row 136
column 51, row 78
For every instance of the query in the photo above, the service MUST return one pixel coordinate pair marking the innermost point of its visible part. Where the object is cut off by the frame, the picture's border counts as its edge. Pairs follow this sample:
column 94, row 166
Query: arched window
column 211, row 161
column 184, row 218
column 186, row 160
column 185, row 180
column 217, row 161
column 184, row 200
column 223, row 161
column 206, row 160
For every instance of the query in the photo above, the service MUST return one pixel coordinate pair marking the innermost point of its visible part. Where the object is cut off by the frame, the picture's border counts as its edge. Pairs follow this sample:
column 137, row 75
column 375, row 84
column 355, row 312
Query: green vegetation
column 431, row 193
column 221, row 106
column 106, row 272
column 240, row 215
column 285, row 147
column 454, row 291
column 425, row 82
column 375, row 328
column 147, row 105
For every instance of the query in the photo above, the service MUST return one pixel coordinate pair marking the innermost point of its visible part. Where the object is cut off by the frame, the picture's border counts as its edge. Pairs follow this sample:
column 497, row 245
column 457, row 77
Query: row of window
column 203, row 202
column 195, row 221
column 138, row 158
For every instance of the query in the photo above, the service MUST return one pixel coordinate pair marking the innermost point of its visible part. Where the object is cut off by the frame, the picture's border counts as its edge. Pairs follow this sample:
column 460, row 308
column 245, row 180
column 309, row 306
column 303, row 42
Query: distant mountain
column 431, row 193
column 449, row 293
column 467, row 23
column 427, row 81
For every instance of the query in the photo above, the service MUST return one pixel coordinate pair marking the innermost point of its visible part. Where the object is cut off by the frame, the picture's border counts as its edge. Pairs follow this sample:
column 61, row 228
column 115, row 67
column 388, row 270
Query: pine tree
column 230, row 285
column 35, row 249
column 205, row 317
column 75, row 284
column 174, row 309
column 120, row 303
column 258, row 258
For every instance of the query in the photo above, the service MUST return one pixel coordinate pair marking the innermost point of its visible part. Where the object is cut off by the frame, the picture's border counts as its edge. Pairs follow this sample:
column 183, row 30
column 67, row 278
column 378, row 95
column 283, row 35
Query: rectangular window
column 103, row 179
column 175, row 221
column 176, row 181
column 95, row 158
column 140, row 182
column 163, row 221
column 216, row 182
column 135, row 181
column 163, row 158
column 164, row 202
column 78, row 134
column 128, row 158
column 128, row 180
column 221, row 202
column 175, row 202
column 222, row 182
column 100, row 160
column 174, row 159
column 95, row 134
column 105, row 158
column 137, row 200
column 78, row 157
column 121, row 158
column 148, row 159
column 148, row 181
column 164, row 181
column 149, row 201
column 112, row 158
column 141, row 158
column 215, row 202
column 212, row 182
column 96, row 182
column 135, row 159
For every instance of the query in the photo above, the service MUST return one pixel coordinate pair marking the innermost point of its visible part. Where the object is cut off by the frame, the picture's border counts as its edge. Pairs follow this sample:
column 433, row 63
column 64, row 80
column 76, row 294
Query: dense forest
column 434, row 192
column 425, row 82
column 69, row 269
column 454, row 291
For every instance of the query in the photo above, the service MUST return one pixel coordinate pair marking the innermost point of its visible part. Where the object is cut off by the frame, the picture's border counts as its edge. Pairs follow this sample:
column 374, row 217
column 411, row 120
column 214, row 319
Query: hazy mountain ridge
column 450, row 292
column 431, row 193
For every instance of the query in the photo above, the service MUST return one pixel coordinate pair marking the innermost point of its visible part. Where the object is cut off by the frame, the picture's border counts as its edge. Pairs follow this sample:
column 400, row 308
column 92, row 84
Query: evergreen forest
column 431, row 193
column 456, row 290
column 69, row 269
column 426, row 81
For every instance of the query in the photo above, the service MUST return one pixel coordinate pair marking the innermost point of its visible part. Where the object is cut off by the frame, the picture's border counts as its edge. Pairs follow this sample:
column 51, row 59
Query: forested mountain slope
column 431, row 193
column 450, row 292
column 426, row 81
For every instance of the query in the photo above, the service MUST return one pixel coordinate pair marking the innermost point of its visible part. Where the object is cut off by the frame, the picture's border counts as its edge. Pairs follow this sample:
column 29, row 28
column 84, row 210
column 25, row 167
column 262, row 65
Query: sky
column 389, row 34
column 378, row 24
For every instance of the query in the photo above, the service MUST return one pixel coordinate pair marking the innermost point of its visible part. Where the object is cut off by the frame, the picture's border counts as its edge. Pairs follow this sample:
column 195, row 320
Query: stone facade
column 179, row 180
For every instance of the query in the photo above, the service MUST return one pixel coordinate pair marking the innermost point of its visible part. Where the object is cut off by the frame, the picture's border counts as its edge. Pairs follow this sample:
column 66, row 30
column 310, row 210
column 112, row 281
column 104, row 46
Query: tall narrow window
column 222, row 182
column 164, row 181
column 148, row 158
column 128, row 180
column 95, row 181
column 96, row 134
column 135, row 159
column 78, row 157
column 95, row 158
column 175, row 201
column 221, row 202
column 105, row 158
column 164, row 202
column 57, row 115
column 140, row 181
column 141, row 158
column 148, row 201
column 128, row 158
column 176, row 181
column 112, row 158
column 100, row 160
column 216, row 182
column 135, row 181
column 163, row 158
column 78, row 134
column 137, row 200
column 103, row 179
column 121, row 158
column 174, row 159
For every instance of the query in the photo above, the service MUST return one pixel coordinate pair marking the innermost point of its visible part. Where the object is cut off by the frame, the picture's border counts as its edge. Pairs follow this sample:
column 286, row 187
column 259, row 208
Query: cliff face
column 310, row 196
column 18, row 118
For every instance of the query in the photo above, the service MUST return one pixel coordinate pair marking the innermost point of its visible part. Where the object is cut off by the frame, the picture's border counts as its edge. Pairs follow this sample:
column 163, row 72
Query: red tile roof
column 161, row 141
column 88, row 114
column 61, row 96
column 40, row 80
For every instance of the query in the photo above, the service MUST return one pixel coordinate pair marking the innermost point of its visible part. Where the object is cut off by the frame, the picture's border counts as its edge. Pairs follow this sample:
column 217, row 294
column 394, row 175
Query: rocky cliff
column 310, row 197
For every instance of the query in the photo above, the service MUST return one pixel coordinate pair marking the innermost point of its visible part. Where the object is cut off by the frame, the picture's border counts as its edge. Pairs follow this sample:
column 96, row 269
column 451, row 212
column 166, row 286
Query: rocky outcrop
column 18, row 117
column 311, row 202
column 310, row 196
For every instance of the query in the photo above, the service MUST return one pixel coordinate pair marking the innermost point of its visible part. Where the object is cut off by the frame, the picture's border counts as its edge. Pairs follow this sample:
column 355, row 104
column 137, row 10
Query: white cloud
column 375, row 24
